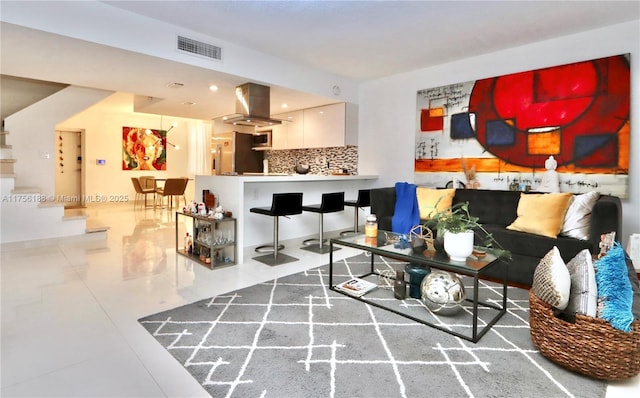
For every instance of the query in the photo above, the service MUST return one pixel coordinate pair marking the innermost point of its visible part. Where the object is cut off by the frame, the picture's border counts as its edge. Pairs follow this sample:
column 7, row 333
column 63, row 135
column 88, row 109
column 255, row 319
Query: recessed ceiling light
column 285, row 105
column 213, row 87
column 188, row 103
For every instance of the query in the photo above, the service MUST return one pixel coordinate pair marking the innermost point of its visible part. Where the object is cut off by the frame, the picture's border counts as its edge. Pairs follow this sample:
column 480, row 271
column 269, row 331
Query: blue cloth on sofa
column 406, row 213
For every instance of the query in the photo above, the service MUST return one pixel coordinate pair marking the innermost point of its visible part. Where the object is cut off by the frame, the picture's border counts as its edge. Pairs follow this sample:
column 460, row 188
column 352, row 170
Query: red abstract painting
column 578, row 113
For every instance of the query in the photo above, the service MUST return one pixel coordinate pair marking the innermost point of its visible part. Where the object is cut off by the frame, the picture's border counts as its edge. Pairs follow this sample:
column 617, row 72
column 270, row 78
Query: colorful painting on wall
column 503, row 129
column 144, row 149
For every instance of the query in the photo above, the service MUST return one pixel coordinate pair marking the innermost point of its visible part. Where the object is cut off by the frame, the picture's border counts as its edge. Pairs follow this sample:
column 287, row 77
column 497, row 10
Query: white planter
column 458, row 246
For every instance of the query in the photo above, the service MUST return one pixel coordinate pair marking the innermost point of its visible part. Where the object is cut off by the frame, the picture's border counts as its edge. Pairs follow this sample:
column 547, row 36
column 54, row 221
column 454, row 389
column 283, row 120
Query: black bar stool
column 282, row 205
column 331, row 203
column 363, row 200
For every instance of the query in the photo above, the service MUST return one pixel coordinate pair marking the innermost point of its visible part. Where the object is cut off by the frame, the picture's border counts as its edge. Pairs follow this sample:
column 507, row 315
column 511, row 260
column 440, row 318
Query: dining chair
column 173, row 187
column 148, row 182
column 140, row 191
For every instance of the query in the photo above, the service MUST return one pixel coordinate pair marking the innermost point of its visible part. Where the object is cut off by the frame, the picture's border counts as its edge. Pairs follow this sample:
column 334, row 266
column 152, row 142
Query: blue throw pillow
column 615, row 295
column 406, row 213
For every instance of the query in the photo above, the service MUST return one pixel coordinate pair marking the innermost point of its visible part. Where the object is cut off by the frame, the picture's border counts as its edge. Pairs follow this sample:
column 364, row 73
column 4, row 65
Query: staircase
column 27, row 214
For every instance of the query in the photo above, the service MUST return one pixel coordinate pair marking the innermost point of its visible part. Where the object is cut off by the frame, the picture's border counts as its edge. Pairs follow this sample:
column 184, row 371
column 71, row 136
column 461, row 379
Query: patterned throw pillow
column 584, row 291
column 551, row 280
column 578, row 218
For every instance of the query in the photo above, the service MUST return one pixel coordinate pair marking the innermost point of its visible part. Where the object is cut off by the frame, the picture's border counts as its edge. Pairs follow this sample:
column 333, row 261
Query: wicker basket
column 589, row 346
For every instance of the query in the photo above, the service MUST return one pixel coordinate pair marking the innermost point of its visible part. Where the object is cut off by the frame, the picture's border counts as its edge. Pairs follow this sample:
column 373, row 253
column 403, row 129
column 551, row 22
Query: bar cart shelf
column 212, row 242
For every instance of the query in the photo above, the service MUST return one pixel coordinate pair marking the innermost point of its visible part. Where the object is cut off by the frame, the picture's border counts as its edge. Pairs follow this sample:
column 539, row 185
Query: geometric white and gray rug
column 293, row 337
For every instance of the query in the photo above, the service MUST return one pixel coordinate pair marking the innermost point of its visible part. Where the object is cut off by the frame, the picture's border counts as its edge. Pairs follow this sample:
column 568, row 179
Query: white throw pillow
column 584, row 291
column 551, row 280
column 577, row 220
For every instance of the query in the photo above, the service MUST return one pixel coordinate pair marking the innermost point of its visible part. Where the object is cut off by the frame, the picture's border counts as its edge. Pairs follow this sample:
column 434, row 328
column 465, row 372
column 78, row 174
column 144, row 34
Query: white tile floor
column 70, row 308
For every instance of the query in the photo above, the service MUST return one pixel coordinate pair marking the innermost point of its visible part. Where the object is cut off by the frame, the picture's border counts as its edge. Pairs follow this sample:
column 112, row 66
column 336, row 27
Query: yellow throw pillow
column 429, row 197
column 541, row 214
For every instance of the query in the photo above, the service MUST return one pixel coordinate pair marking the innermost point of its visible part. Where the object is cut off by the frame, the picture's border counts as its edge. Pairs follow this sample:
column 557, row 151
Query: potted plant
column 456, row 226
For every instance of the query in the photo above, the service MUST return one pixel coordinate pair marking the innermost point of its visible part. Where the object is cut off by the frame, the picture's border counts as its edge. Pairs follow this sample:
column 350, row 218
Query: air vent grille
column 199, row 48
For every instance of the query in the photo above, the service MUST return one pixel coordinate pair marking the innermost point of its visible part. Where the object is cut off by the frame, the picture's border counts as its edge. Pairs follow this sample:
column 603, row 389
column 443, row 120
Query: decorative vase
column 458, row 246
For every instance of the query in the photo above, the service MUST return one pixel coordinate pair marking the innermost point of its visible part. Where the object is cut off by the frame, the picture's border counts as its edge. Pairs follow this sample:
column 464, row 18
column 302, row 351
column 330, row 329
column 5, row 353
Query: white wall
column 32, row 134
column 103, row 124
column 388, row 105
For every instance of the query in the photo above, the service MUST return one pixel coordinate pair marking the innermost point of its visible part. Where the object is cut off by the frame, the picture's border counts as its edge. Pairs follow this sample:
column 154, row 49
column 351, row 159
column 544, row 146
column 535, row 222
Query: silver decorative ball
column 442, row 292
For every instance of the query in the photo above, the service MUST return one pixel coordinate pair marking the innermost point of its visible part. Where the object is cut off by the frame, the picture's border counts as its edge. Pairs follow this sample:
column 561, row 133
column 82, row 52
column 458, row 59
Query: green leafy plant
column 457, row 219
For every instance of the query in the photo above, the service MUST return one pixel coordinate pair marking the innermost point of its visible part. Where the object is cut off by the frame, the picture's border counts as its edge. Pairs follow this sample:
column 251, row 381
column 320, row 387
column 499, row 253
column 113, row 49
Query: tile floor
column 70, row 308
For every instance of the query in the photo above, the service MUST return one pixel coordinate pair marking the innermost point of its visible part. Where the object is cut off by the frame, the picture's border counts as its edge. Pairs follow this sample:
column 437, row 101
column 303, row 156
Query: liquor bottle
column 186, row 242
column 399, row 286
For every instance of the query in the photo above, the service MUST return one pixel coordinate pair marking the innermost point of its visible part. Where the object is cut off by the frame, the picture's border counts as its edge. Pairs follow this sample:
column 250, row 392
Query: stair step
column 6, row 152
column 25, row 190
column 6, row 165
column 75, row 217
column 53, row 204
column 96, row 226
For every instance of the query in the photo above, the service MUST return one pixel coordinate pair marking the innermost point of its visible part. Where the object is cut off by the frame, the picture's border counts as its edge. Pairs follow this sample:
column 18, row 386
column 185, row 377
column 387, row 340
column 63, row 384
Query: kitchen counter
column 239, row 193
column 277, row 177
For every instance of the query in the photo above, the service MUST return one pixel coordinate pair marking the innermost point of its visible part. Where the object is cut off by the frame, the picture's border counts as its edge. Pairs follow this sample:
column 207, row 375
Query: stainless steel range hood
column 252, row 106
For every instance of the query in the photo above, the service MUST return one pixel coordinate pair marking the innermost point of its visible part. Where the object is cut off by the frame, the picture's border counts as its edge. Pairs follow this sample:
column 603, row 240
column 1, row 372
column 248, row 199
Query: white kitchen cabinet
column 332, row 125
column 324, row 126
column 289, row 134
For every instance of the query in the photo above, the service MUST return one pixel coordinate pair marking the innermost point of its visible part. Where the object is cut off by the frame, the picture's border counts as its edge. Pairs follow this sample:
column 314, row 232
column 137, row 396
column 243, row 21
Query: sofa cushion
column 541, row 214
column 383, row 201
column 535, row 246
column 433, row 200
column 491, row 207
column 577, row 221
column 635, row 286
column 551, row 280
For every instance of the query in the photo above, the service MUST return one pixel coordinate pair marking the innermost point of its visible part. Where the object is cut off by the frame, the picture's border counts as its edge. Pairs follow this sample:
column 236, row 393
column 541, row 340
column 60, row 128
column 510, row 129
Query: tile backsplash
column 320, row 160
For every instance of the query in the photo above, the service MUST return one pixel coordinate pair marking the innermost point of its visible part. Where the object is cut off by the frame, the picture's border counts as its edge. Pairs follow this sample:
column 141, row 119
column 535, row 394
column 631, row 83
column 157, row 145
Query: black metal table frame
column 476, row 336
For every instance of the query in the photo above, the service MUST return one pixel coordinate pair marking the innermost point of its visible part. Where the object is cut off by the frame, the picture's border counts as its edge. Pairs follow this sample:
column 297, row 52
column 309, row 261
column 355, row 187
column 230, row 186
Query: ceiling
column 370, row 39
column 361, row 40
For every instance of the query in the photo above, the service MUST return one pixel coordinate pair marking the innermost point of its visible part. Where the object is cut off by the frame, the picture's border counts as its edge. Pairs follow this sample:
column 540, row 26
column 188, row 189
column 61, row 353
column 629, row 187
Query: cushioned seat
column 282, row 205
column 363, row 200
column 173, row 187
column 140, row 190
column 331, row 203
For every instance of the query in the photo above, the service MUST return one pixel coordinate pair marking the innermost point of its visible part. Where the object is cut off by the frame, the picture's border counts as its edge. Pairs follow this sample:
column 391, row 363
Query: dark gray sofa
column 496, row 210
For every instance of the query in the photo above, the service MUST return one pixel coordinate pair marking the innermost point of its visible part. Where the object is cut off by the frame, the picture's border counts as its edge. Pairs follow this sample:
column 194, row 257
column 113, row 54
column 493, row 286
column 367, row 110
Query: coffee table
column 394, row 246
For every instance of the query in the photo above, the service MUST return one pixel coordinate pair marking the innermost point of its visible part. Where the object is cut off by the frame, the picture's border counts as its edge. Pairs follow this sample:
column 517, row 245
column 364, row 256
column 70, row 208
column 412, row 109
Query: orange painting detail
column 546, row 143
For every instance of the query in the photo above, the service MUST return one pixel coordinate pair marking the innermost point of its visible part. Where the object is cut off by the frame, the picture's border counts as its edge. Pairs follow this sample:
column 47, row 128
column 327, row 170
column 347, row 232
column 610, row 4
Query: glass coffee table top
column 395, row 245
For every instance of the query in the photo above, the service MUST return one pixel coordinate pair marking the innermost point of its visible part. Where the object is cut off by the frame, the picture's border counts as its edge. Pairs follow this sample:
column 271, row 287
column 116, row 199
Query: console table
column 386, row 245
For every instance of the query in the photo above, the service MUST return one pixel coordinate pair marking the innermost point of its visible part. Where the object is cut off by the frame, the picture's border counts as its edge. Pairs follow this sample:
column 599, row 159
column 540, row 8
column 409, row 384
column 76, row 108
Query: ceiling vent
column 199, row 48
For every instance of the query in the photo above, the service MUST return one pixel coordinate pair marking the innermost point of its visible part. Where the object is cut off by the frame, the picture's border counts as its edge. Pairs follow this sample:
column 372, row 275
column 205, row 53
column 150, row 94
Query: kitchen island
column 240, row 193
